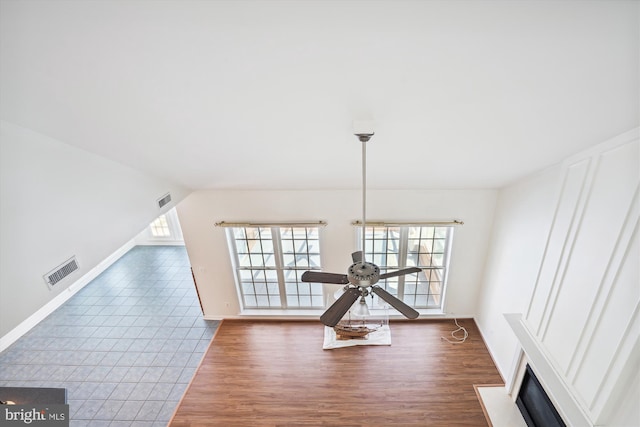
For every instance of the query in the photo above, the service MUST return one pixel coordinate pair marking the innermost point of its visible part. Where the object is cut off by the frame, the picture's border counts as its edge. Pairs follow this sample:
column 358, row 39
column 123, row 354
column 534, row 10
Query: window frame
column 279, row 266
column 175, row 230
column 402, row 256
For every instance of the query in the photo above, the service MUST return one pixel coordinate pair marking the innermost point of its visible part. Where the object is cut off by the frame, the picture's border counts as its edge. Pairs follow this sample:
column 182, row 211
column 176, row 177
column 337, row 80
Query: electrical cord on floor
column 456, row 339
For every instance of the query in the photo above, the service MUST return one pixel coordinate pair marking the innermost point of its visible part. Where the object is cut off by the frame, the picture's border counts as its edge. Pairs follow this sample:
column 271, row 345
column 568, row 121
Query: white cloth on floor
column 381, row 336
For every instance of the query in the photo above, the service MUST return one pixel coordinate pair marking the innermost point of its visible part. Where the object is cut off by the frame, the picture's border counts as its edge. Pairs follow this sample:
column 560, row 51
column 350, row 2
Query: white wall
column 564, row 253
column 58, row 201
column 522, row 221
column 207, row 246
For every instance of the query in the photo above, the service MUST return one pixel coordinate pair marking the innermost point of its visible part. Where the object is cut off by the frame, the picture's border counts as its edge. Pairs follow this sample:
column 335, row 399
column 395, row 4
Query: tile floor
column 125, row 346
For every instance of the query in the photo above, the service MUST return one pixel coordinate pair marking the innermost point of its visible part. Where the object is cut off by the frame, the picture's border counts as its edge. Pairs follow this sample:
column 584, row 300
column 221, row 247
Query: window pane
column 314, row 261
column 289, row 260
column 409, row 288
column 300, row 246
column 272, row 289
column 316, row 288
column 271, row 275
column 267, row 246
column 300, row 233
column 261, row 288
column 422, row 288
column 440, row 232
column 265, row 233
column 421, row 247
column 254, row 246
column 305, row 301
column 314, row 246
column 287, row 246
column 437, row 259
column 269, row 260
column 433, row 301
column 259, row 261
column 412, row 259
column 241, row 247
column 421, row 301
column 379, row 260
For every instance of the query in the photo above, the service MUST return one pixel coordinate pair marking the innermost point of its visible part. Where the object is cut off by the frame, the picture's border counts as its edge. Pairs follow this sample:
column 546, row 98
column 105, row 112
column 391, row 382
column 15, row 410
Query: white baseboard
column 26, row 325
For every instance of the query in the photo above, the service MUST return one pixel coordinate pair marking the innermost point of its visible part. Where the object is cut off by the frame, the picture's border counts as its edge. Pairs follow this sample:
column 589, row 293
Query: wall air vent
column 164, row 200
column 60, row 272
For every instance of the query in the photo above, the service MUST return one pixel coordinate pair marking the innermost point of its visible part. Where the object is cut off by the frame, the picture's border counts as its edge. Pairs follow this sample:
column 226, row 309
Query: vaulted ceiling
column 262, row 94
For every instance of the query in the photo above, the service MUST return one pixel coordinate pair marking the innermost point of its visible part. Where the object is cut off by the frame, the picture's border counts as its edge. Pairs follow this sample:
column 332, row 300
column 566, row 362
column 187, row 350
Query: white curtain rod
column 409, row 223
column 270, row 224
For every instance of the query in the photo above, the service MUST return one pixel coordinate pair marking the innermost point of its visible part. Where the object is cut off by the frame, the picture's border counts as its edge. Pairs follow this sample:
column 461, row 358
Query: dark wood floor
column 266, row 373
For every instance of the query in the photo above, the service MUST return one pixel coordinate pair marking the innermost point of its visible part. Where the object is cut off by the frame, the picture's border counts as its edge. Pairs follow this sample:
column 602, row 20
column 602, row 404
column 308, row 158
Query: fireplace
column 536, row 407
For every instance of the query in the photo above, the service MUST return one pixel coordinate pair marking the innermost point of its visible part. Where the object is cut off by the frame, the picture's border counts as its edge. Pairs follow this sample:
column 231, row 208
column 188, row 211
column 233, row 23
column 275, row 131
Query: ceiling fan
column 362, row 276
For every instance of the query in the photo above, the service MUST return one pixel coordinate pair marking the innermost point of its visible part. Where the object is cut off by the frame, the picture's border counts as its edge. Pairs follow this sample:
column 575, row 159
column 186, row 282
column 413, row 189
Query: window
column 160, row 227
column 427, row 247
column 269, row 262
column 164, row 230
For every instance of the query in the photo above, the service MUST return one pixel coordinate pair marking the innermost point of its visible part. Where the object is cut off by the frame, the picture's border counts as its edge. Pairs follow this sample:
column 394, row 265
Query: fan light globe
column 361, row 309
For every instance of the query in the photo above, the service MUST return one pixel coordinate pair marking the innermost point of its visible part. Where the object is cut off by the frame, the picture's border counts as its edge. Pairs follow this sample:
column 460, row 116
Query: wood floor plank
column 267, row 373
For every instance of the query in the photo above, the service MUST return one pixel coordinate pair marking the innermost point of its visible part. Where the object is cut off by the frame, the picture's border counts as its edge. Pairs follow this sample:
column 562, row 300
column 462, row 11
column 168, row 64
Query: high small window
column 165, row 229
column 427, row 247
column 269, row 262
column 160, row 227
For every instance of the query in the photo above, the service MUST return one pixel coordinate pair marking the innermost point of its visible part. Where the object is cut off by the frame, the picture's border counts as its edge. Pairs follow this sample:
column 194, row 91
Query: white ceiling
column 262, row 94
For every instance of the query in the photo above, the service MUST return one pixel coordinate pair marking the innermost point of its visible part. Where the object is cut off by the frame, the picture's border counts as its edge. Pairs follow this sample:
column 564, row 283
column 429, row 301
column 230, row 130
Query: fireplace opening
column 536, row 407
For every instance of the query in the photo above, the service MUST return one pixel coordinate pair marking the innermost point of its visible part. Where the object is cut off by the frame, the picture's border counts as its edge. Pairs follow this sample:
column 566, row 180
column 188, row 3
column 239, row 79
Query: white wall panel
column 601, row 221
column 592, row 379
column 563, row 222
column 584, row 310
column 583, row 313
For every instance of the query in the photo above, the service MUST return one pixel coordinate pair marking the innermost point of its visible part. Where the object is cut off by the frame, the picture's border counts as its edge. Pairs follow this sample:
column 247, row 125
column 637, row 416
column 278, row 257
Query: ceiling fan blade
column 356, row 256
column 332, row 316
column 395, row 302
column 320, row 277
column 401, row 272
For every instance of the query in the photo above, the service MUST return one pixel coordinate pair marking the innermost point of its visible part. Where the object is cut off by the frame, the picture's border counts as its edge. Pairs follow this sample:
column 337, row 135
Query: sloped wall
column 58, row 201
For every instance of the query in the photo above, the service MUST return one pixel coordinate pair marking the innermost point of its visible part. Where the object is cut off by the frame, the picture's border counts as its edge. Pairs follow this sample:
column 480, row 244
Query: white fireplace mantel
column 558, row 391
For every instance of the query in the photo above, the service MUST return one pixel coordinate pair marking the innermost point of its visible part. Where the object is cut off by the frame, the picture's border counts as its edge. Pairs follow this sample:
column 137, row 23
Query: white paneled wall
column 584, row 308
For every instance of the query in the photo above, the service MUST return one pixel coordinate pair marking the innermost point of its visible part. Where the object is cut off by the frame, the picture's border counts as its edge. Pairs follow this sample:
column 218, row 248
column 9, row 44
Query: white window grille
column 396, row 247
column 160, row 227
column 269, row 261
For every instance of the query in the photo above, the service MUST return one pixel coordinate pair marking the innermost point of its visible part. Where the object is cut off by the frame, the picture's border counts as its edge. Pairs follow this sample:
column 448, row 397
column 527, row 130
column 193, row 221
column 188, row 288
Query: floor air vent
column 60, row 272
column 164, row 200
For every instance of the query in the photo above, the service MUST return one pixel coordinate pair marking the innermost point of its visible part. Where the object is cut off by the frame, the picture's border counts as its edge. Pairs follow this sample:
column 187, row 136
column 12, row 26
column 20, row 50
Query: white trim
column 313, row 315
column 557, row 390
column 26, row 325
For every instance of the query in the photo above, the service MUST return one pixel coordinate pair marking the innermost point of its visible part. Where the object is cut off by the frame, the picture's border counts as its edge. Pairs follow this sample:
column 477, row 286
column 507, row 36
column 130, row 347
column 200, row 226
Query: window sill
column 314, row 314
